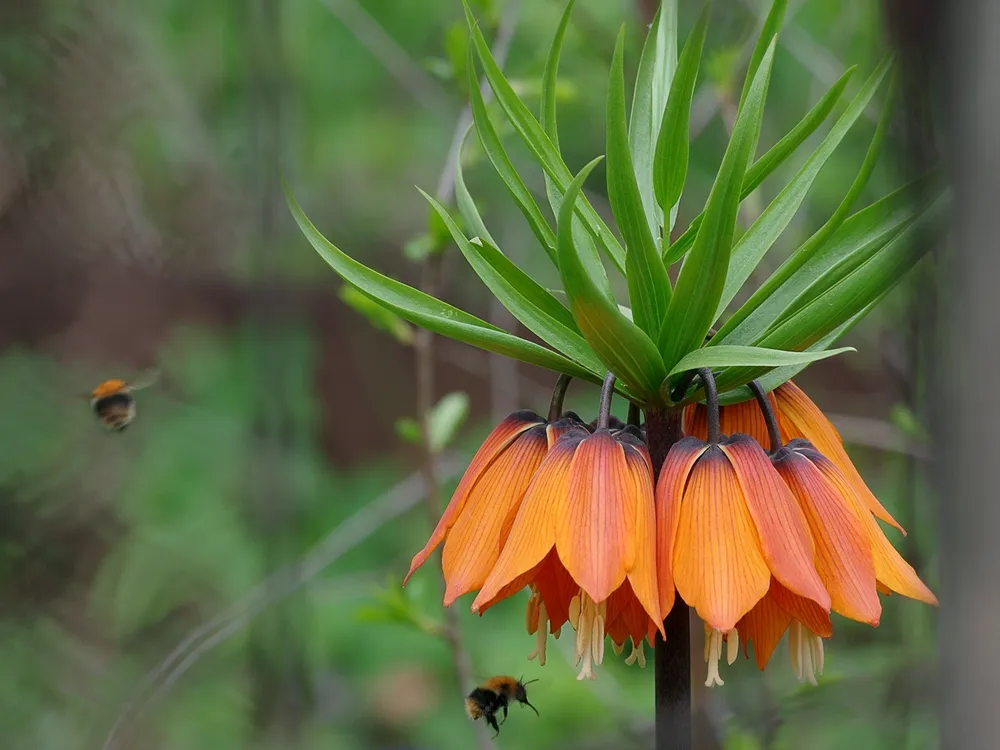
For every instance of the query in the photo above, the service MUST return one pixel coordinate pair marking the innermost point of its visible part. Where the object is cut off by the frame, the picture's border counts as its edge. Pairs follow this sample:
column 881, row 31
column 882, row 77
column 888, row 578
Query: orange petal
column 800, row 417
column 669, row 493
column 641, row 571
column 718, row 564
column 781, row 527
column 474, row 541
column 763, row 626
column 627, row 617
column 557, row 588
column 744, row 417
column 806, row 611
column 532, row 534
column 595, row 536
column 502, row 436
column 890, row 567
column 843, row 555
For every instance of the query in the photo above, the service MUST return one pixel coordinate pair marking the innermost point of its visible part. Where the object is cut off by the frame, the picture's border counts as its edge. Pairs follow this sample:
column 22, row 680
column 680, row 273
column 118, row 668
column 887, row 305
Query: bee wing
column 146, row 379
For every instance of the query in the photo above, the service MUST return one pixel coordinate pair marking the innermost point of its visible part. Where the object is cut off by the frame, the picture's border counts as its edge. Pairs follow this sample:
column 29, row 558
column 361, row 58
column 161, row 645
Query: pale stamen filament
column 714, row 654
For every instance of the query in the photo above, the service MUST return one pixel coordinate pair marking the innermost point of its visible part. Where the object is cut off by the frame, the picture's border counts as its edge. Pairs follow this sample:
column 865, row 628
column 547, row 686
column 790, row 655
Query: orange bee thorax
column 109, row 388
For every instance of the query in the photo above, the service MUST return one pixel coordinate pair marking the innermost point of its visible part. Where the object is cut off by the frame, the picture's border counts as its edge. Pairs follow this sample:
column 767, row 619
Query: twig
column 424, row 351
column 403, row 496
column 387, row 51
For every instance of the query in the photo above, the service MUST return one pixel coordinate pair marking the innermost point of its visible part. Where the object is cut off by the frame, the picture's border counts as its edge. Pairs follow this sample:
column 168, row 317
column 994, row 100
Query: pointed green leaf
column 550, row 77
column 648, row 284
column 773, row 378
column 753, row 245
column 868, row 229
column 770, row 161
column 670, row 164
column 427, row 311
column 856, row 286
column 652, row 84
column 529, row 303
column 505, row 168
column 770, row 29
column 621, row 345
column 463, row 199
column 539, row 143
column 716, row 357
column 701, row 280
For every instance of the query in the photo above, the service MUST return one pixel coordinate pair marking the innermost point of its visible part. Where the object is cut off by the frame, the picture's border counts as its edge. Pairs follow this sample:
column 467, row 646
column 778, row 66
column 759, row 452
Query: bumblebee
column 495, row 694
column 113, row 402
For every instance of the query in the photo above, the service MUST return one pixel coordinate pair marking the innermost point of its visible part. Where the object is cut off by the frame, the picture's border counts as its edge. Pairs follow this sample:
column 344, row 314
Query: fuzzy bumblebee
column 495, row 694
column 113, row 402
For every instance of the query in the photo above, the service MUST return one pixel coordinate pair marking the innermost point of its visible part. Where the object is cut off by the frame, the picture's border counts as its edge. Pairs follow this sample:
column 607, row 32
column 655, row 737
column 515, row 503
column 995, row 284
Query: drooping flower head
column 728, row 530
column 587, row 515
column 853, row 557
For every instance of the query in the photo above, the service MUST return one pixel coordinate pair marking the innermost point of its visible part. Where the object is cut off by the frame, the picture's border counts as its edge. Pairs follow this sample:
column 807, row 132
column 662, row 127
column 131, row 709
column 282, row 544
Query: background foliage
column 142, row 225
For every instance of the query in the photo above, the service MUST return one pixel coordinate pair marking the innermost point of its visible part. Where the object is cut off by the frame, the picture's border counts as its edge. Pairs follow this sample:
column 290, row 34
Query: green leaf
column 505, row 168
column 670, row 164
column 773, row 378
column 775, row 218
column 749, row 356
column 445, row 418
column 701, row 280
column 464, row 201
column 871, row 228
column 409, row 430
column 378, row 316
column 653, row 80
column 648, row 283
column 770, row 161
column 539, row 143
column 550, row 79
column 426, row 311
column 770, row 29
column 532, row 305
column 621, row 345
column 859, row 281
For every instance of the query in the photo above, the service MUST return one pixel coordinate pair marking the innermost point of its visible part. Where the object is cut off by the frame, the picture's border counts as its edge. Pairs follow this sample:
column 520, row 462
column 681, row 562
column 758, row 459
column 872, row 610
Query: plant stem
column 604, row 410
column 558, row 397
column 672, row 669
column 773, row 432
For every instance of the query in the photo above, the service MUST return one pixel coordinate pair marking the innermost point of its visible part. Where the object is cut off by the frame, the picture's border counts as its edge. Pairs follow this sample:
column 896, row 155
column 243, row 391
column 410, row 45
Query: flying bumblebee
column 496, row 693
column 113, row 402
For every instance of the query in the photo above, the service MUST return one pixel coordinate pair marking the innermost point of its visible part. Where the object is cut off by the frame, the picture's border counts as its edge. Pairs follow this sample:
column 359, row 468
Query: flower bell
column 583, row 539
column 728, row 530
column 479, row 516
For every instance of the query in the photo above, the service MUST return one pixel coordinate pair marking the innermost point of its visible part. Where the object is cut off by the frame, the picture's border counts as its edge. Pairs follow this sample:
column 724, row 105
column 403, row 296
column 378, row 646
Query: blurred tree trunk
column 967, row 408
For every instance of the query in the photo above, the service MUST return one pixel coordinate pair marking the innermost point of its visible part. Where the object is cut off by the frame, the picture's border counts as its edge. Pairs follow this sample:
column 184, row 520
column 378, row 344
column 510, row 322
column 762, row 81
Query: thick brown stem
column 673, row 655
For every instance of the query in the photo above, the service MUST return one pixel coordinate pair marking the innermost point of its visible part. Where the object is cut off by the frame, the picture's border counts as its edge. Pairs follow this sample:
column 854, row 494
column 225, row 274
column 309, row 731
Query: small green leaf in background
column 456, row 47
column 445, row 418
column 409, row 430
column 703, row 275
column 670, row 163
column 621, row 345
column 648, row 283
column 394, row 604
column 378, row 316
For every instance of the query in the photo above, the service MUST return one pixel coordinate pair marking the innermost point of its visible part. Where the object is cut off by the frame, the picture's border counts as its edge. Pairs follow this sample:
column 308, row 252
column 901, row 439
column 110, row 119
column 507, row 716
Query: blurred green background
column 262, row 509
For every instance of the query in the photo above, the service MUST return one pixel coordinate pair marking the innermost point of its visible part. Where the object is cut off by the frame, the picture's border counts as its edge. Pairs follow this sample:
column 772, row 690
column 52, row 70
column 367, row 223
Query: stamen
column 638, row 655
column 795, row 648
column 708, row 640
column 589, row 625
column 714, row 653
column 541, row 634
column 531, row 613
column 732, row 646
column 806, row 650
